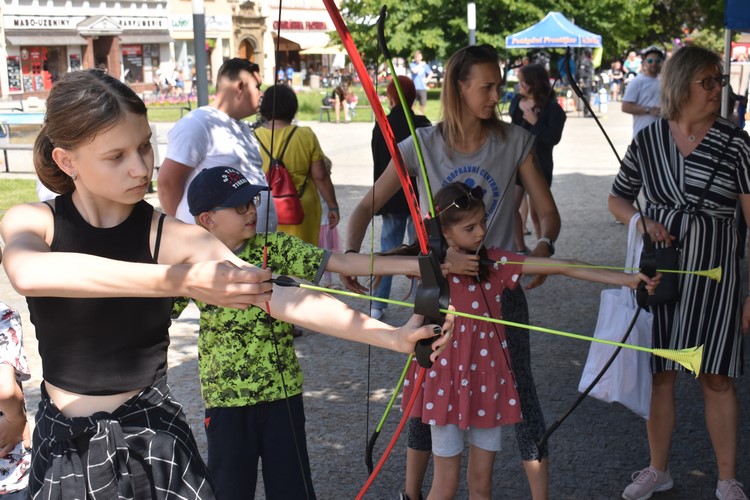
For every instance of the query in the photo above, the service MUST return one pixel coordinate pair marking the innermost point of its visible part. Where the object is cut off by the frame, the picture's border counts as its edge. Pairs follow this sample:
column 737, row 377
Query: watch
column 550, row 243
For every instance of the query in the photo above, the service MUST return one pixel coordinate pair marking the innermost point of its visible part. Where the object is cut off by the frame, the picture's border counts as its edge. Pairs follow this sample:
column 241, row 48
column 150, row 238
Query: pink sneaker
column 730, row 489
column 646, row 482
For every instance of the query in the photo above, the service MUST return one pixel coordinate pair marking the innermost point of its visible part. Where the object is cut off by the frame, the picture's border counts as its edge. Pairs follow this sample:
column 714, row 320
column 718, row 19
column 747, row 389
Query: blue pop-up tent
column 736, row 18
column 555, row 30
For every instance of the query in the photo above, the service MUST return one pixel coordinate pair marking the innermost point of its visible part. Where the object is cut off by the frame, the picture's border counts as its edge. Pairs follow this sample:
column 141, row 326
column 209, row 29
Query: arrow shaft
column 590, row 266
column 478, row 317
column 709, row 273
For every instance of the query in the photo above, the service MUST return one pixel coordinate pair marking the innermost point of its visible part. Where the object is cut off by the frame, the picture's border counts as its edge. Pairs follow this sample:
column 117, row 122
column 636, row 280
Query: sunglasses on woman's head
column 484, row 52
column 711, row 82
column 464, row 201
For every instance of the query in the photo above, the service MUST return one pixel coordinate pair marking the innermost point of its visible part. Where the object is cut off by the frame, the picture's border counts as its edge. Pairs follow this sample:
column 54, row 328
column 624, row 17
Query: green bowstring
column 689, row 358
column 714, row 273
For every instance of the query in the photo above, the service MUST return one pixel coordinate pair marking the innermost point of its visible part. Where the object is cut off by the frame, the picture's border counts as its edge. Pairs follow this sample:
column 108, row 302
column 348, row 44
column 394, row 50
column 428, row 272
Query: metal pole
column 199, row 42
column 728, row 70
column 471, row 18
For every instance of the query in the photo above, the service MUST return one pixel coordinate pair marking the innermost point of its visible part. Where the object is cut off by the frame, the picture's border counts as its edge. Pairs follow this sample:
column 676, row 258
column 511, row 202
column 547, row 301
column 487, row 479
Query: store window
column 42, row 66
column 139, row 62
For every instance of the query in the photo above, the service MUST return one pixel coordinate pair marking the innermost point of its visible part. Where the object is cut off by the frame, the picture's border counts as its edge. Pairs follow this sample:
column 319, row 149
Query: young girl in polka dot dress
column 471, row 388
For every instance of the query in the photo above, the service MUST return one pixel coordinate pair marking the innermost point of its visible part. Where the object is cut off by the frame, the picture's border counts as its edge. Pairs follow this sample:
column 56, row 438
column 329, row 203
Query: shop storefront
column 301, row 29
column 40, row 49
column 218, row 43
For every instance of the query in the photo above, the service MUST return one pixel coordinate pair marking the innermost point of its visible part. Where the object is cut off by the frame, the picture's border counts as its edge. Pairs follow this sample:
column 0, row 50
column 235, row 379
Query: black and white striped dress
column 708, row 313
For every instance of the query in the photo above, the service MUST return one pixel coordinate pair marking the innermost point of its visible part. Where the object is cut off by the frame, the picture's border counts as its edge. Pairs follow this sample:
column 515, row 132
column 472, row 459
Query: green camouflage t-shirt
column 236, row 355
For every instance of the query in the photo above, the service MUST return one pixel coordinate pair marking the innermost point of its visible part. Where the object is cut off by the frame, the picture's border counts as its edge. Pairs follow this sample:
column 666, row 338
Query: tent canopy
column 737, row 15
column 555, row 30
column 323, row 50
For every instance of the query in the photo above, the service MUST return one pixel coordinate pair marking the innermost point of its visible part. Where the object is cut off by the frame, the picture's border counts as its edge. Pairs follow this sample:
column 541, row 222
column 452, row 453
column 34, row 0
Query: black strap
column 697, row 206
column 265, row 149
column 157, row 244
column 301, row 190
column 722, row 156
column 286, row 144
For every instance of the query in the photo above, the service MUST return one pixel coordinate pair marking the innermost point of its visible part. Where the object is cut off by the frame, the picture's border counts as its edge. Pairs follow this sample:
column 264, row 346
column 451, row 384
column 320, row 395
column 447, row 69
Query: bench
column 10, row 105
column 6, row 146
column 352, row 112
column 10, row 119
column 13, row 147
column 149, row 98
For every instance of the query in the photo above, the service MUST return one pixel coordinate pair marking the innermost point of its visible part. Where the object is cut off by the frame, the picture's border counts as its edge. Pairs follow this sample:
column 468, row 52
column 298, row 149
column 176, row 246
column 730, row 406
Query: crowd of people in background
column 100, row 246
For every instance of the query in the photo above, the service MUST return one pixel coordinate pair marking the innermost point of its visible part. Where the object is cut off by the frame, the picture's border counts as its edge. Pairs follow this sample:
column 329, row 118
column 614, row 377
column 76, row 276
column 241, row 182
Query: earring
column 74, row 176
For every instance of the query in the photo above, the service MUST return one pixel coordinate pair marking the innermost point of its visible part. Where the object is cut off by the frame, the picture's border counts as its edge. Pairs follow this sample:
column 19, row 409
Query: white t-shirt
column 643, row 91
column 207, row 137
column 493, row 166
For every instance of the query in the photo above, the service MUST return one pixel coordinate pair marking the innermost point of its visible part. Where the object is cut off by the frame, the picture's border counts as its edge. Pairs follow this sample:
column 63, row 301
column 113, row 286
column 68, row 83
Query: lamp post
column 199, row 44
column 471, row 18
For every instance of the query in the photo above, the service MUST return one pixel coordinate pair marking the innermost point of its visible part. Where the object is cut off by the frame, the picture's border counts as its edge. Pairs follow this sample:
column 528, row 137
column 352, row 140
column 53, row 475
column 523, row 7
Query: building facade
column 130, row 40
column 144, row 42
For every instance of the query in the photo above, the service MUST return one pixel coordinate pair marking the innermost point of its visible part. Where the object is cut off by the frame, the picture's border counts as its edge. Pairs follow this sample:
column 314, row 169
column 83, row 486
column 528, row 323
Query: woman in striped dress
column 672, row 161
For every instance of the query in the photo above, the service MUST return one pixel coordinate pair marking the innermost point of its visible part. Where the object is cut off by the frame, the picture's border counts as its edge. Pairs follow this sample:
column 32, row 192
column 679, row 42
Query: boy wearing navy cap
column 246, row 396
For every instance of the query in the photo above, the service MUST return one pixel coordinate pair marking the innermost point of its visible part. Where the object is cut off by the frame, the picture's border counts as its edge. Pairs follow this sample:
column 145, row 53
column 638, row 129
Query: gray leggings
column 531, row 430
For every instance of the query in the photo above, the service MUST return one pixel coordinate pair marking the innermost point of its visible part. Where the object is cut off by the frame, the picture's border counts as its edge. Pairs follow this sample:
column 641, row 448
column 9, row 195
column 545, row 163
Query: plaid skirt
column 145, row 444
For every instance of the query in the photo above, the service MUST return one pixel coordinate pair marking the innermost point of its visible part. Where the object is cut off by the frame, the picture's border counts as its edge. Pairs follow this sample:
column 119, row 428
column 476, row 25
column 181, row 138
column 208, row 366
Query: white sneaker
column 730, row 489
column 377, row 313
column 646, row 482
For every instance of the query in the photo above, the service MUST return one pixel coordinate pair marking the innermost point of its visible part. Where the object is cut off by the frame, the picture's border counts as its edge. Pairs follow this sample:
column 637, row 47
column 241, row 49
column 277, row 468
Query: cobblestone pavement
column 594, row 451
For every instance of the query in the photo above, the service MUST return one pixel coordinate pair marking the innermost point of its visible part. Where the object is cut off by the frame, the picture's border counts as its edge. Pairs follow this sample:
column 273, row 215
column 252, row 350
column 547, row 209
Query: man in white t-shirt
column 214, row 136
column 641, row 97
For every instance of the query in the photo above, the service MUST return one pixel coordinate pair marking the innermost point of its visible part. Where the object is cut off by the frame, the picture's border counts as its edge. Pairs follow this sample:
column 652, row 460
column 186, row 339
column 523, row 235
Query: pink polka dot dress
column 472, row 384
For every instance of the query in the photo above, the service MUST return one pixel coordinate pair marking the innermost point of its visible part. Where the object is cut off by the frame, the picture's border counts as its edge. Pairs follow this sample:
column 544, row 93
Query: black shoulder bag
column 669, row 257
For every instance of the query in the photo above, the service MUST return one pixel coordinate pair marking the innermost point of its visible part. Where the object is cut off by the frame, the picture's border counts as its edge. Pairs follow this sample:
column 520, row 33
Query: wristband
column 550, row 244
column 333, row 209
column 352, row 251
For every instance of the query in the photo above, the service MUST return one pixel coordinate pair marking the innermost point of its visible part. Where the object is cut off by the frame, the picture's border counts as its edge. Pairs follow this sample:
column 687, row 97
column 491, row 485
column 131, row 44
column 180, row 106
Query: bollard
column 603, row 98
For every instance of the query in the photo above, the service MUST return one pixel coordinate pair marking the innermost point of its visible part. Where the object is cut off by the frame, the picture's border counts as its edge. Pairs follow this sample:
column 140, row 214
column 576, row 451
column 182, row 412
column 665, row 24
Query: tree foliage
column 439, row 28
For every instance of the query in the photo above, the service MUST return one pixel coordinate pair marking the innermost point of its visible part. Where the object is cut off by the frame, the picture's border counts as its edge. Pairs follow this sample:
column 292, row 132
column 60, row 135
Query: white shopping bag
column 628, row 379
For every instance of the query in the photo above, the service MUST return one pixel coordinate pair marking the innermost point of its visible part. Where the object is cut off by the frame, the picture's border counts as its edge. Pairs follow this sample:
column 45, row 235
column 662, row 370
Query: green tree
column 438, row 28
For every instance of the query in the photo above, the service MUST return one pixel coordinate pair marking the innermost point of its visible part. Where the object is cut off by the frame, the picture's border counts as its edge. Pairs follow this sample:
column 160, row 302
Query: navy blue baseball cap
column 220, row 187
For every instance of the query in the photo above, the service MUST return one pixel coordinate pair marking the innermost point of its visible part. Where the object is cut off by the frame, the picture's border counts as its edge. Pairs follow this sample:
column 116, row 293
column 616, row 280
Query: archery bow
column 432, row 293
column 690, row 358
column 648, row 267
column 269, row 318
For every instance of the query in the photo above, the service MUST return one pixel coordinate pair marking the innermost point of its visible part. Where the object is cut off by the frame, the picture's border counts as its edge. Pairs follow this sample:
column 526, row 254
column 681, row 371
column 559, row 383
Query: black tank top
column 109, row 345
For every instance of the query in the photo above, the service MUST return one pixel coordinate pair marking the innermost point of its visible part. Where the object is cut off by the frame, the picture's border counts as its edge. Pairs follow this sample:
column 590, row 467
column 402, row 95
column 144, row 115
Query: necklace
column 694, row 137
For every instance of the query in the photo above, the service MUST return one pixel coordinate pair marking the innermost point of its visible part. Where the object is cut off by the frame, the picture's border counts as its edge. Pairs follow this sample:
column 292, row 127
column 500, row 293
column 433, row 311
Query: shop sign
column 218, row 23
column 140, row 23
column 181, row 23
column 36, row 22
column 300, row 25
column 132, row 50
column 213, row 23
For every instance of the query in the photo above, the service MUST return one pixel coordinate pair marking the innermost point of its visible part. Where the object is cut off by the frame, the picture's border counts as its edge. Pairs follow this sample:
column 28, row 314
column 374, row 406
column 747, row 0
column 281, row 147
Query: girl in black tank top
column 100, row 276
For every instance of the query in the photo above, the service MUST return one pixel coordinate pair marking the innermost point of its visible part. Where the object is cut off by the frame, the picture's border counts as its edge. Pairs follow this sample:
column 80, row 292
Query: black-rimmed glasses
column 711, row 82
column 243, row 209
column 464, row 201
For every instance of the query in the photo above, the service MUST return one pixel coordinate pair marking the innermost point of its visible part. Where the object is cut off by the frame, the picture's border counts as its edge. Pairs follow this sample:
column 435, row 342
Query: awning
column 322, row 51
column 24, row 38
column 301, row 40
column 132, row 37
